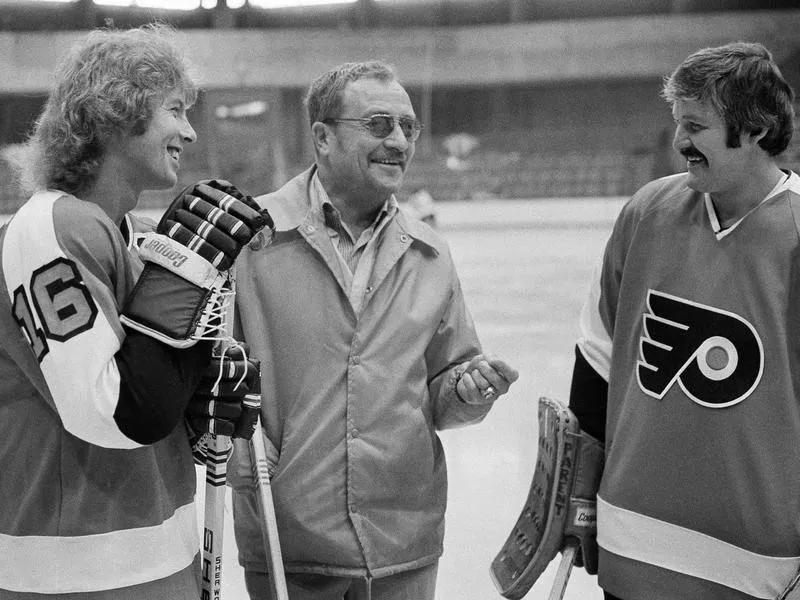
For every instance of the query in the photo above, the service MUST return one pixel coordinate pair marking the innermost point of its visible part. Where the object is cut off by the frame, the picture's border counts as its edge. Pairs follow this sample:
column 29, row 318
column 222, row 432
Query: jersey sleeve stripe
column 595, row 340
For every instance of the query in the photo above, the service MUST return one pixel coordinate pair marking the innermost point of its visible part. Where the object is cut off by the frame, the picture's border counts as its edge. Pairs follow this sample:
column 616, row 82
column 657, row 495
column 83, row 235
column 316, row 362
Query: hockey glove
column 182, row 293
column 227, row 401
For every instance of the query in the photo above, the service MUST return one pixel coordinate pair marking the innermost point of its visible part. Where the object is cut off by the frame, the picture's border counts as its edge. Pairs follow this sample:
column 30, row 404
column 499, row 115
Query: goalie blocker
column 561, row 506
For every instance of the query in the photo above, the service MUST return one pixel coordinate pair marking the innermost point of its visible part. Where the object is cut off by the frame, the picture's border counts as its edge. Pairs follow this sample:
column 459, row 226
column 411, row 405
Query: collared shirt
column 356, row 256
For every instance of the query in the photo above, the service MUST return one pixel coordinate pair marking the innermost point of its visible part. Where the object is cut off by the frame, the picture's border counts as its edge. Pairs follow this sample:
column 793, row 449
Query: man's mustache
column 692, row 153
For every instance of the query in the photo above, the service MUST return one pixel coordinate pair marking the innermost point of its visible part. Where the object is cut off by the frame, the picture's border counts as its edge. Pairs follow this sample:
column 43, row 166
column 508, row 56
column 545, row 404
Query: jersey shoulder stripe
column 65, row 267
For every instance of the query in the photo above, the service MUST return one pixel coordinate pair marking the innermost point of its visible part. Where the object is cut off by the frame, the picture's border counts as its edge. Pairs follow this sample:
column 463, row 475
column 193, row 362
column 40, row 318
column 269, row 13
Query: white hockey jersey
column 82, row 506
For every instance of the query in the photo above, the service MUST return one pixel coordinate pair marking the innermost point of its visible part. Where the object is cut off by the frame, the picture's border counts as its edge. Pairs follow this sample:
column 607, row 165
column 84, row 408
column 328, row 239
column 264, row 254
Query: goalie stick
column 568, row 556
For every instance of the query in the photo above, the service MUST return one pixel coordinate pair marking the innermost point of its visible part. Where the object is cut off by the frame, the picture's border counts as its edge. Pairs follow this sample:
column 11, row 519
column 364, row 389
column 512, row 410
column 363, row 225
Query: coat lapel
column 290, row 209
column 397, row 238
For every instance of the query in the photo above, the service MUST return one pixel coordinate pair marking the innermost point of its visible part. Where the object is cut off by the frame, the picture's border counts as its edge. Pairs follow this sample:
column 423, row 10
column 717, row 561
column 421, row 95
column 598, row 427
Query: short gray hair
column 324, row 97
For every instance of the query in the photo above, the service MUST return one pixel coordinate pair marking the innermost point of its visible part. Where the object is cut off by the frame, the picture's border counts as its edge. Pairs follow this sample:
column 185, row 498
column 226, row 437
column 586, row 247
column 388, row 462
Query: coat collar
column 290, row 208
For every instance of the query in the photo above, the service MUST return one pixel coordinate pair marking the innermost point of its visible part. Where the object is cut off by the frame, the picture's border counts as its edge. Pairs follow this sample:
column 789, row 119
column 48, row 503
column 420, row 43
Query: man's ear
column 321, row 136
column 755, row 136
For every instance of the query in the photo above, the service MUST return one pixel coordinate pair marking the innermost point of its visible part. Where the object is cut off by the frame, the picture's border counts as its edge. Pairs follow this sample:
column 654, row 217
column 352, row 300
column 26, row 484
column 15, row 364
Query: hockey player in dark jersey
column 688, row 364
column 96, row 375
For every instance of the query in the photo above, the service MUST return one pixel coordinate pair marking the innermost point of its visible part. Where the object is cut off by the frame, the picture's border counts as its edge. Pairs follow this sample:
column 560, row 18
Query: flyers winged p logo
column 715, row 356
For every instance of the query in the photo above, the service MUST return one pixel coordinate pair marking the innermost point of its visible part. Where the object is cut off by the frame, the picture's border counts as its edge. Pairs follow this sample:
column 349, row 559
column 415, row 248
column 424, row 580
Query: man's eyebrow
column 690, row 117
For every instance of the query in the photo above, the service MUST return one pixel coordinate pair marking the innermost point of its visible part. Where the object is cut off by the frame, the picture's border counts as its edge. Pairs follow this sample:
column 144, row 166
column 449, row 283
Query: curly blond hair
column 109, row 83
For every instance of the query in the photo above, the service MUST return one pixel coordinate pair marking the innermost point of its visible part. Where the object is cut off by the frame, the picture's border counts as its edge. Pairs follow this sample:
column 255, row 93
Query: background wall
column 564, row 107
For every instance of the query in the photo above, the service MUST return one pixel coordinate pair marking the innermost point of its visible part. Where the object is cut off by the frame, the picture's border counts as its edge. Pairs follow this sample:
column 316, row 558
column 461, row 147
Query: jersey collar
column 790, row 182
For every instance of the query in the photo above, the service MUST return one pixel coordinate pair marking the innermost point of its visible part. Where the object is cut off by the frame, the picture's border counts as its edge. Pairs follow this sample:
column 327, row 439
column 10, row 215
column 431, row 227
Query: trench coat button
column 356, row 359
column 310, row 229
column 354, row 433
column 404, row 238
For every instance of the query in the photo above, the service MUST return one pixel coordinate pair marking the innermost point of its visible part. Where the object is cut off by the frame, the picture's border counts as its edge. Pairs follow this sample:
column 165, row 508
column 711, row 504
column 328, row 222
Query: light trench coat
column 351, row 402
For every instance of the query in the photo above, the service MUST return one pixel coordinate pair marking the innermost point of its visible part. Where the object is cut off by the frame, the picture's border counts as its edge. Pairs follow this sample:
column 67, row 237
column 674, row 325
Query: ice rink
column 525, row 267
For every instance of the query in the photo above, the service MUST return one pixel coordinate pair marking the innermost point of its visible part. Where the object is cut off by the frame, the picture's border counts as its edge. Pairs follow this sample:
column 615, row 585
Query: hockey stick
column 269, row 524
column 216, row 472
column 216, row 475
column 568, row 555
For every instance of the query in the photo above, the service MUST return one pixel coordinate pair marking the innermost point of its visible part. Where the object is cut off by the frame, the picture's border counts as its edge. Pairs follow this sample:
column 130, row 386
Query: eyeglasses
column 382, row 126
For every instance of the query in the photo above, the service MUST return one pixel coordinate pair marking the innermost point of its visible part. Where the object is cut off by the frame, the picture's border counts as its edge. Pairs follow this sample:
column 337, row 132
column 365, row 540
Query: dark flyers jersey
column 82, row 507
column 697, row 331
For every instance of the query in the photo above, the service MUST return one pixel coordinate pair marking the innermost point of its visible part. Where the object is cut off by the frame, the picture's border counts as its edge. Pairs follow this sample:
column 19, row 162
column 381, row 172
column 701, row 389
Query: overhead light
column 166, row 4
column 241, row 111
column 36, row 1
column 193, row 4
column 294, row 3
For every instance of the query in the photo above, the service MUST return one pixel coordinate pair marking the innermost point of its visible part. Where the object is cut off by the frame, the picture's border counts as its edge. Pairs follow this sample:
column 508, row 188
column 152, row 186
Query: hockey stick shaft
column 216, row 475
column 568, row 555
column 269, row 523
column 216, row 472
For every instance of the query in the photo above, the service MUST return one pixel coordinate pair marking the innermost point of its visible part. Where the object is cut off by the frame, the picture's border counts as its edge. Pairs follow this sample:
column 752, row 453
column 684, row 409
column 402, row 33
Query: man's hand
column 228, row 399
column 484, row 379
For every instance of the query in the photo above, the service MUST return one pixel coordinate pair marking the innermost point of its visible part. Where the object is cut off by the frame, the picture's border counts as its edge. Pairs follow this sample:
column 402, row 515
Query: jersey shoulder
column 662, row 199
column 54, row 227
column 61, row 220
column 658, row 194
column 84, row 228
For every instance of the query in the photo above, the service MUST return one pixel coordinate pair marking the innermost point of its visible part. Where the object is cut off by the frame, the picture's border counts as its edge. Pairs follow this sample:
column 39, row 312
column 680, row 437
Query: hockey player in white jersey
column 99, row 350
column 689, row 361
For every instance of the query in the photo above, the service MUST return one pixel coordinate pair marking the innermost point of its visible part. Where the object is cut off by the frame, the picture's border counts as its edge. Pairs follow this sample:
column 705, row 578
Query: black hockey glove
column 181, row 294
column 227, row 401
